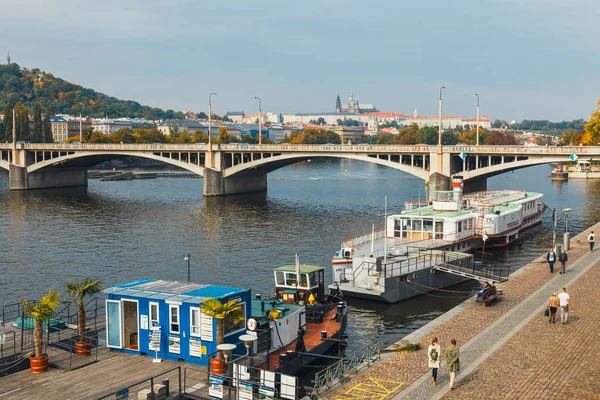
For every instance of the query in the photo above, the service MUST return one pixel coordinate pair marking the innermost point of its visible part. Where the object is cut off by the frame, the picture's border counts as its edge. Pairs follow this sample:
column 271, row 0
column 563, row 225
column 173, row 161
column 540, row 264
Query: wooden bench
column 490, row 295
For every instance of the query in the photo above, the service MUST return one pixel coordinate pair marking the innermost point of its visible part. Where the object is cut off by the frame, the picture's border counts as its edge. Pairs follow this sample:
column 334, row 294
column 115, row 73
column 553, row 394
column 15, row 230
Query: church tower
column 8, row 57
column 338, row 104
column 351, row 103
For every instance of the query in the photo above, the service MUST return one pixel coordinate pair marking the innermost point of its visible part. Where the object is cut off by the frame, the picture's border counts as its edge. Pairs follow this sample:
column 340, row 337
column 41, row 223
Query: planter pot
column 38, row 364
column 217, row 367
column 83, row 348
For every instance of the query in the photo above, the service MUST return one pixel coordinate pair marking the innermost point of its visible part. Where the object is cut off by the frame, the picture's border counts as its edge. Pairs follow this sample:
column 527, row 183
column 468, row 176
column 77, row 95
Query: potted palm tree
column 79, row 290
column 230, row 310
column 41, row 312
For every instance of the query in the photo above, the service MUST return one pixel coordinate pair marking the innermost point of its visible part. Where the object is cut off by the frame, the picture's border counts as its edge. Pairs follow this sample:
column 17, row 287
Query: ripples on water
column 127, row 230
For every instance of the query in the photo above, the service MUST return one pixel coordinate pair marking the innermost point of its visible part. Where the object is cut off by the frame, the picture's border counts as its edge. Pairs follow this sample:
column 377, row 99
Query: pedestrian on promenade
column 551, row 258
column 452, row 361
column 563, row 258
column 565, row 304
column 553, row 303
column 433, row 354
column 592, row 239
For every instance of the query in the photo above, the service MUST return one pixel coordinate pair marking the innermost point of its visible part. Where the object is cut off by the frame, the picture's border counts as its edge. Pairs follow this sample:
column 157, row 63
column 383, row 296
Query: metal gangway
column 471, row 268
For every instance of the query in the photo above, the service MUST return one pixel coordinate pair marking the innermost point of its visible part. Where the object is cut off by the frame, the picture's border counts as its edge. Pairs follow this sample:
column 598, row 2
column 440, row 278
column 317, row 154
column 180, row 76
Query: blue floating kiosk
column 163, row 319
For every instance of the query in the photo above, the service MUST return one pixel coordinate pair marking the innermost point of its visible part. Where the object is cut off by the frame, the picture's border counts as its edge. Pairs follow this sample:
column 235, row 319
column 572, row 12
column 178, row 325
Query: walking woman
column 553, row 303
column 452, row 361
column 433, row 354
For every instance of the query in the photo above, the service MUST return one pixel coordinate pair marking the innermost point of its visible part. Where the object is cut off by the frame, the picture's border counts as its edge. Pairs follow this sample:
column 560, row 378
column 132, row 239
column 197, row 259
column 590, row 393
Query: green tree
column 429, row 134
column 151, row 135
column 8, row 123
column 449, row 138
column 199, row 137
column 202, row 115
column 37, row 123
column 87, row 134
column 230, row 310
column 591, row 132
column 47, row 136
column 79, row 290
column 41, row 312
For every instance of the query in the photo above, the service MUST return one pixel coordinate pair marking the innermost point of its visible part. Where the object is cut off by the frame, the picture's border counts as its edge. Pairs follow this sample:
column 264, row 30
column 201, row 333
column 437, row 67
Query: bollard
column 567, row 241
column 165, row 382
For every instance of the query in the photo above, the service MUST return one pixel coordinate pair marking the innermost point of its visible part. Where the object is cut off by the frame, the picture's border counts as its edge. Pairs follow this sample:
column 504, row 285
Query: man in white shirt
column 592, row 239
column 565, row 304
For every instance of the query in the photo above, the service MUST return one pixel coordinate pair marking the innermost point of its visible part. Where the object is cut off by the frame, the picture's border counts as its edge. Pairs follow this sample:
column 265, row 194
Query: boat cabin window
column 228, row 321
column 174, row 318
column 279, row 278
column 154, row 319
column 290, row 279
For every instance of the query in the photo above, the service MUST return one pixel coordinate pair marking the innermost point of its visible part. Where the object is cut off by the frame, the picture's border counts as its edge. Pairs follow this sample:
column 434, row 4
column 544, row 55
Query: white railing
column 366, row 238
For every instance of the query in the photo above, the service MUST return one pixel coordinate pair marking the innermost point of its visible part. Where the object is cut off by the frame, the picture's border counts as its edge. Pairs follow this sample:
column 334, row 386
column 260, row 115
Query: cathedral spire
column 338, row 104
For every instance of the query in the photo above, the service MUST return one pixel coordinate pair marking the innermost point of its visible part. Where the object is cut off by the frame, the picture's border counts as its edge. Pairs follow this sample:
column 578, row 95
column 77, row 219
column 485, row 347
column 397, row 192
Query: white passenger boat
column 451, row 222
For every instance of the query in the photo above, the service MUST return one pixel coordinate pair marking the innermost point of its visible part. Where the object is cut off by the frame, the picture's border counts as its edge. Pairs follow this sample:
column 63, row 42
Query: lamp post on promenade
column 187, row 258
column 210, row 118
column 440, row 132
column 259, row 120
column 477, row 118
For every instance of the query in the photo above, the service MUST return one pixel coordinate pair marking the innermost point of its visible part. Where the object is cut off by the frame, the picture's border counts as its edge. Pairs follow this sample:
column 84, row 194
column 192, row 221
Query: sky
column 527, row 59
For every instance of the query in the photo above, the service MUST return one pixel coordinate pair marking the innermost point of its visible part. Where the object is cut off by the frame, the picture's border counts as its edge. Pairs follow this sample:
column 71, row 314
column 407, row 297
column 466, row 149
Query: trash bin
column 557, row 249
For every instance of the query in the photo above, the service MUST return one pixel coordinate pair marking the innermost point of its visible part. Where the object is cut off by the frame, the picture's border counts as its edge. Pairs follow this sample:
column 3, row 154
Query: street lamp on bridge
column 440, row 127
column 477, row 118
column 259, row 120
column 209, row 118
column 187, row 258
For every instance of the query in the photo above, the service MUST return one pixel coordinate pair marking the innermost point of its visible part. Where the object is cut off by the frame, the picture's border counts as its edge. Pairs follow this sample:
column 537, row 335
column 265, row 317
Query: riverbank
column 479, row 331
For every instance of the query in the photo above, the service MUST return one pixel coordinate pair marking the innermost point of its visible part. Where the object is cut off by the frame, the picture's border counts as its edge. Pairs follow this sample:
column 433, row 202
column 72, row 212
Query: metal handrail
column 326, row 378
column 151, row 379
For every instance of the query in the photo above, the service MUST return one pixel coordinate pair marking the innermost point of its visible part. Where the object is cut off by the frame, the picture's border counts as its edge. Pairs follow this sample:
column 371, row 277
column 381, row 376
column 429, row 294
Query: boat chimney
column 457, row 190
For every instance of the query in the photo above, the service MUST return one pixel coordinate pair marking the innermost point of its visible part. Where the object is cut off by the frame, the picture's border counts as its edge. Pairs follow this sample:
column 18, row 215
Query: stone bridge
column 240, row 168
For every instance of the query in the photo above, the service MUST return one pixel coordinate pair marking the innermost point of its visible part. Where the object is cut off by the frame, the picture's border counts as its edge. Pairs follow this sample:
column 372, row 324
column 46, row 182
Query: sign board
column 266, row 392
column 251, row 324
column 155, row 339
column 573, row 157
column 122, row 394
column 463, row 155
column 215, row 386
column 195, row 347
column 245, row 391
column 174, row 344
column 143, row 322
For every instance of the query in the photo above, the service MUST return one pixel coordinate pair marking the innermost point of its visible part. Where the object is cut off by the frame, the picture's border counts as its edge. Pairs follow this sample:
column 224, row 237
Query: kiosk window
column 194, row 321
column 154, row 319
column 174, row 318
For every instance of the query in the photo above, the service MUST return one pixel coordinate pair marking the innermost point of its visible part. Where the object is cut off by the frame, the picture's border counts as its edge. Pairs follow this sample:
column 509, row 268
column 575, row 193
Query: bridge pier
column 245, row 182
column 438, row 182
column 20, row 179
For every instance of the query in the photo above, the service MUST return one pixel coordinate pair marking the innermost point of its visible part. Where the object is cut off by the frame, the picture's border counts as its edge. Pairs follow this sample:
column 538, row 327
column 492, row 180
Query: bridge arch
column 100, row 156
column 493, row 170
column 4, row 165
column 270, row 164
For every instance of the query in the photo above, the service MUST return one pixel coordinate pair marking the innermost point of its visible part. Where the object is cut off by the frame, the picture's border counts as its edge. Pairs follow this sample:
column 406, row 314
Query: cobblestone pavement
column 404, row 368
column 546, row 361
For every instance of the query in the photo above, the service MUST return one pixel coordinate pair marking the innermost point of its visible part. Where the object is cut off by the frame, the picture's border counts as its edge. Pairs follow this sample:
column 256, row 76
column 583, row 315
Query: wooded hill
column 57, row 96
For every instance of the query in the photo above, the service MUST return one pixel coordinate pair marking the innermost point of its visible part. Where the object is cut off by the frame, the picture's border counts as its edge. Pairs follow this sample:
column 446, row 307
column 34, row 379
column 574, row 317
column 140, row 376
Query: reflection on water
column 125, row 230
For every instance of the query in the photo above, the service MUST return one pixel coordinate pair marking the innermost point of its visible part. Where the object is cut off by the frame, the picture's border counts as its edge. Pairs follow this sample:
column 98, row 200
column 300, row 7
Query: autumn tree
column 591, row 132
column 37, row 123
column 123, row 135
column 99, row 137
column 498, row 138
column 223, row 136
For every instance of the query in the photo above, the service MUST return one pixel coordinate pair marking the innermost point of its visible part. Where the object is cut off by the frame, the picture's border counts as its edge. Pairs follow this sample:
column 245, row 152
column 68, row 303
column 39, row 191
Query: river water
column 127, row 230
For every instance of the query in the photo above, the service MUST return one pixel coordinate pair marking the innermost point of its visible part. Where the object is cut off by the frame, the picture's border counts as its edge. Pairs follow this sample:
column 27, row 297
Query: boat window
column 290, row 279
column 459, row 226
column 312, row 279
column 279, row 279
column 304, row 280
column 427, row 225
column 416, row 225
column 439, row 230
column 228, row 321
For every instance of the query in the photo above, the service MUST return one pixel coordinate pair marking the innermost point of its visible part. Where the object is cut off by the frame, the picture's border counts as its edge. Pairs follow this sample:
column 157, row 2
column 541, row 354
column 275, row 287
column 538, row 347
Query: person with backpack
column 551, row 258
column 433, row 354
column 592, row 239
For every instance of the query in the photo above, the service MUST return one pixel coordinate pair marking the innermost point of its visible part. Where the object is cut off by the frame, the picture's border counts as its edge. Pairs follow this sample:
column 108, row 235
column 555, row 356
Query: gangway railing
column 334, row 374
column 478, row 270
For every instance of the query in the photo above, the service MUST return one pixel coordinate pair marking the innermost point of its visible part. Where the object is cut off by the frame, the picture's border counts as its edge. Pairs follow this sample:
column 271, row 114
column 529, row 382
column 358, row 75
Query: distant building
column 108, row 126
column 189, row 126
column 278, row 132
column 448, row 122
column 235, row 116
column 252, row 130
column 353, row 106
column 65, row 126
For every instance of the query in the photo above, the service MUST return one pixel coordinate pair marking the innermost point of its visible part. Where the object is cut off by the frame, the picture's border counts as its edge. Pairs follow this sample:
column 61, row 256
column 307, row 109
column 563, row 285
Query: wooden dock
column 112, row 372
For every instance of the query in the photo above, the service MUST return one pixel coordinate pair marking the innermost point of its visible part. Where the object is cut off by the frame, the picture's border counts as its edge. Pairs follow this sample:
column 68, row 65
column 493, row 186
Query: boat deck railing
column 366, row 238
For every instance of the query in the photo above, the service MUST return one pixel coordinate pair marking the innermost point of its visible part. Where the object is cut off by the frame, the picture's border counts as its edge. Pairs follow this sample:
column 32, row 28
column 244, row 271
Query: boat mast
column 297, row 271
column 372, row 239
column 385, row 231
